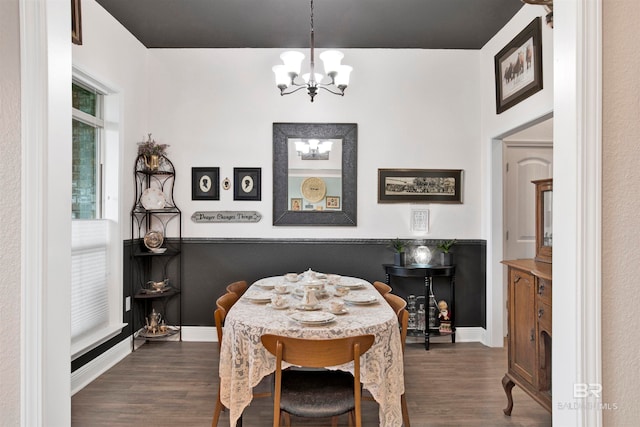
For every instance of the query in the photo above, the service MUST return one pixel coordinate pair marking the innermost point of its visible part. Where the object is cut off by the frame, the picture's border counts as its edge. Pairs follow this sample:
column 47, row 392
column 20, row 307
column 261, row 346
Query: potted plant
column 151, row 151
column 398, row 246
column 446, row 257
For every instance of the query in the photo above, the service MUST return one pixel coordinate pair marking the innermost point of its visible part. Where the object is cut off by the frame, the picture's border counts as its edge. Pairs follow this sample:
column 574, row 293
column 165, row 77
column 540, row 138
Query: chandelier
column 288, row 77
column 313, row 149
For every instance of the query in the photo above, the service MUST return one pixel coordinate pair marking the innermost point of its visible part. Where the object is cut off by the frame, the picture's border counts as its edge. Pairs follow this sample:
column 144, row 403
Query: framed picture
column 247, row 183
column 518, row 67
column 296, row 204
column 333, row 202
column 419, row 185
column 205, row 183
column 76, row 22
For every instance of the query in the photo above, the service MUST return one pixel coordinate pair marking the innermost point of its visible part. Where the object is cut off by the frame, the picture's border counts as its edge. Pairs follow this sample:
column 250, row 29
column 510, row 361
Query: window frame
column 110, row 188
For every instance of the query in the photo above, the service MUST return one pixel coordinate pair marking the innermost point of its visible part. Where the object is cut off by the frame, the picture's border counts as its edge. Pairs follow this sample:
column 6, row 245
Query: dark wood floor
column 174, row 384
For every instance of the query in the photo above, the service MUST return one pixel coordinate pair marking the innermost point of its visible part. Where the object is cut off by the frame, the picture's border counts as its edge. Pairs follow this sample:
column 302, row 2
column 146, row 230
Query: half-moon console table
column 428, row 273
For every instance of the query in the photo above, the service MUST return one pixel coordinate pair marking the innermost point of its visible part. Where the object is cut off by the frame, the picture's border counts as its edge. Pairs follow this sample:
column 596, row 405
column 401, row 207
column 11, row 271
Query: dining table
column 244, row 361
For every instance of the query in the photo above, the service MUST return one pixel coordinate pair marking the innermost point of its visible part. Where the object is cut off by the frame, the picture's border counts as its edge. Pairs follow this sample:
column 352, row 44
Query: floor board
column 175, row 383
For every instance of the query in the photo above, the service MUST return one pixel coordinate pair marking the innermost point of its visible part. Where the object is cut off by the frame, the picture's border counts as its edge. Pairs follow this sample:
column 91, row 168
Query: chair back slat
column 382, row 288
column 238, row 288
column 317, row 353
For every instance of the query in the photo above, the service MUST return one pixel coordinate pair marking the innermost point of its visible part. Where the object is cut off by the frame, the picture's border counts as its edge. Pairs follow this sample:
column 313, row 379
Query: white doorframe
column 576, row 353
column 45, row 51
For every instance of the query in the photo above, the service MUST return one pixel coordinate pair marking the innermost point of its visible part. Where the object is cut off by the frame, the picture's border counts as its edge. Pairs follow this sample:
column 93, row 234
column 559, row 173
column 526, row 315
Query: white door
column 523, row 164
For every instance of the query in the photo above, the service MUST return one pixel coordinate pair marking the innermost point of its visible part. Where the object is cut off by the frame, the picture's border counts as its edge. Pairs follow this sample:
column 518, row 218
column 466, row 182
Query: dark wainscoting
column 210, row 264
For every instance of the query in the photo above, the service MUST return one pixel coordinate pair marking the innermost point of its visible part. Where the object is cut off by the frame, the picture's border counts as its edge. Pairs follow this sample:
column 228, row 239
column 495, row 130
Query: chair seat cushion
column 316, row 394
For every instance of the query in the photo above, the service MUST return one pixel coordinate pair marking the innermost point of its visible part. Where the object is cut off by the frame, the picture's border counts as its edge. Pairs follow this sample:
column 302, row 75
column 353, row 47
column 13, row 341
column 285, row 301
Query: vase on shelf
column 446, row 258
column 399, row 258
column 152, row 162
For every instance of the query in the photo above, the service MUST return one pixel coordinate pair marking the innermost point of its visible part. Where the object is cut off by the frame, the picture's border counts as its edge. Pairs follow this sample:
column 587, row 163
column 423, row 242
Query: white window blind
column 89, row 276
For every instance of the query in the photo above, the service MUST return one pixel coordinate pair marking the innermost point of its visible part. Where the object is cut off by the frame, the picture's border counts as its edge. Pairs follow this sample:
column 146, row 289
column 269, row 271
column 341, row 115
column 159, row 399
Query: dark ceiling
column 421, row 24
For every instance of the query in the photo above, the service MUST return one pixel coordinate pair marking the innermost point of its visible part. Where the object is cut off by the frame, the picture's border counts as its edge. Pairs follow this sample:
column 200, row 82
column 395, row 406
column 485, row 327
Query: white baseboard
column 199, row 333
column 81, row 377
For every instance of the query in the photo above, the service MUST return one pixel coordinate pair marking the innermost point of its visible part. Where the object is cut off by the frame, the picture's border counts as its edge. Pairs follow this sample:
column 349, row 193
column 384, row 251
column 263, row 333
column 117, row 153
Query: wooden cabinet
column 529, row 307
column 529, row 340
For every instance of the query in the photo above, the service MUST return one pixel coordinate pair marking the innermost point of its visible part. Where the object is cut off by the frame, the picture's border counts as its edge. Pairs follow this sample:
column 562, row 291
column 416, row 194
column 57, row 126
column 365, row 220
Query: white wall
column 112, row 56
column 216, row 107
column 10, row 225
column 493, row 127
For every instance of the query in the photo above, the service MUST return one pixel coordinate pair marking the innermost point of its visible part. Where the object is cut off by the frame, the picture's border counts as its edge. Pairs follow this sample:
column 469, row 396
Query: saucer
column 308, row 307
column 344, row 310
column 278, row 307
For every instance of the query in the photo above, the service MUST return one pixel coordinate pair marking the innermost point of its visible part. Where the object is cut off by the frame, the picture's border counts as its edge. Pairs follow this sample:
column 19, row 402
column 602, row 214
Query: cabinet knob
column 532, row 336
column 540, row 313
column 516, row 279
column 541, row 289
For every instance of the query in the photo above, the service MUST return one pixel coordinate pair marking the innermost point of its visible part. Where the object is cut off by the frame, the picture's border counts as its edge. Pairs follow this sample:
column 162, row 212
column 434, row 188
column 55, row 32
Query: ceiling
column 420, row 24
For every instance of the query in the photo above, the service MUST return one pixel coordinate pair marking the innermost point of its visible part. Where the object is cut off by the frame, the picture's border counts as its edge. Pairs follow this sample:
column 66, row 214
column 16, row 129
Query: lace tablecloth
column 244, row 361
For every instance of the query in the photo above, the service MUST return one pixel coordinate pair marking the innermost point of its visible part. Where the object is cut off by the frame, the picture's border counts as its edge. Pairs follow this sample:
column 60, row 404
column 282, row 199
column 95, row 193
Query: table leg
column 427, row 287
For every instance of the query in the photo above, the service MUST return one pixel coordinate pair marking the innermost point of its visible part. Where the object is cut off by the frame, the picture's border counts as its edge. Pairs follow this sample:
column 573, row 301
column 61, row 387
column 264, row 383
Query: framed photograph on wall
column 205, row 183
column 76, row 22
column 419, row 185
column 296, row 204
column 247, row 183
column 518, row 67
column 332, row 202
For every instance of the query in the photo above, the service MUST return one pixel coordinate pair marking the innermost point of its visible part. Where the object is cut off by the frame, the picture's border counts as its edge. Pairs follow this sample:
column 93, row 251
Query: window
column 87, row 128
column 96, row 291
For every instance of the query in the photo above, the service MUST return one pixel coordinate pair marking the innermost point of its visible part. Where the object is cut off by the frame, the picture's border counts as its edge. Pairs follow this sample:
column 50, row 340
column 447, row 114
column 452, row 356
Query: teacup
column 278, row 301
column 334, row 278
column 341, row 291
column 280, row 288
column 292, row 277
column 336, row 306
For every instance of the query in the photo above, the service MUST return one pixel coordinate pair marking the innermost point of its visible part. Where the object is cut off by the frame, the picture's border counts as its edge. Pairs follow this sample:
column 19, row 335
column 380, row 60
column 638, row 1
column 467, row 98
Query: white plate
column 152, row 198
column 258, row 296
column 312, row 317
column 356, row 285
column 278, row 307
column 264, row 285
column 360, row 299
column 158, row 250
column 304, row 307
column 153, row 239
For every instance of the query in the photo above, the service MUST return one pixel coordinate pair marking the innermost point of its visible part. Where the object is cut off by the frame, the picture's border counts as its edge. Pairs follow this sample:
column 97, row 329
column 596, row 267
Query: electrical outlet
column 127, row 304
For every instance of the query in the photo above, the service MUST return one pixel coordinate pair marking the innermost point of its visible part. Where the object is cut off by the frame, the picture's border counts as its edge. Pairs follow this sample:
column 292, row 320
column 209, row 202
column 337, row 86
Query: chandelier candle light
column 288, row 77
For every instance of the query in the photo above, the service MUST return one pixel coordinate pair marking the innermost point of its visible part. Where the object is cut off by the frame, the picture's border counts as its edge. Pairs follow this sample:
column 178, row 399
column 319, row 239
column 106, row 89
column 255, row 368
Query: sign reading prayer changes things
column 226, row 216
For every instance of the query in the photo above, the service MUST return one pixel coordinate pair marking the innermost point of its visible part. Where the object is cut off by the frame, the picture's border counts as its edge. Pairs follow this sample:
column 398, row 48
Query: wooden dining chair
column 223, row 305
column 317, row 393
column 383, row 288
column 238, row 288
column 399, row 306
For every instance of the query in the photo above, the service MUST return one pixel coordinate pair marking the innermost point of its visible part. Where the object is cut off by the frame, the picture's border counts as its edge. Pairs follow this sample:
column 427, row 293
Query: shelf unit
column 428, row 273
column 148, row 266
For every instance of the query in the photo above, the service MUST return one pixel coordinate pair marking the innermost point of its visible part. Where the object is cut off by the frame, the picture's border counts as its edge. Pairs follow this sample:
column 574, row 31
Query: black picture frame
column 420, row 185
column 247, row 184
column 518, row 67
column 200, row 190
column 283, row 215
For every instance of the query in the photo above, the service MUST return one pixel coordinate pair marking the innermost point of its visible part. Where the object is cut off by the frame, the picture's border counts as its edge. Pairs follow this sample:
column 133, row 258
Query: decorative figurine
column 444, row 317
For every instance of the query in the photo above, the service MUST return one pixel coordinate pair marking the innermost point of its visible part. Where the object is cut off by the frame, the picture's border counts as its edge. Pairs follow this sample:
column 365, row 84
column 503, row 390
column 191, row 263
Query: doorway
column 528, row 155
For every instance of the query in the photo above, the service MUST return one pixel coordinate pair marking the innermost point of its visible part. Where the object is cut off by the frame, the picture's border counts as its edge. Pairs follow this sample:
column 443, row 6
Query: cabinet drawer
column 544, row 317
column 544, row 290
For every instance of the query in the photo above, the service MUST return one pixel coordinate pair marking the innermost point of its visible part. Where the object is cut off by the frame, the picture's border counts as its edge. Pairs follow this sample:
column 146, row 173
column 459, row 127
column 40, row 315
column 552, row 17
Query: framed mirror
column 544, row 217
column 315, row 172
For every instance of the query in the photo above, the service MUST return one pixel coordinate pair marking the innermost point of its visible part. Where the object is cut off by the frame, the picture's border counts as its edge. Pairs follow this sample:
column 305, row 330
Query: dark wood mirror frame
column 543, row 251
column 348, row 133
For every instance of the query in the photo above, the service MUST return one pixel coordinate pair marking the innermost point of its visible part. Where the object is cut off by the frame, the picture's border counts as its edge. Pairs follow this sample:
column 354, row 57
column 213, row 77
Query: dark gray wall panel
column 210, row 264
